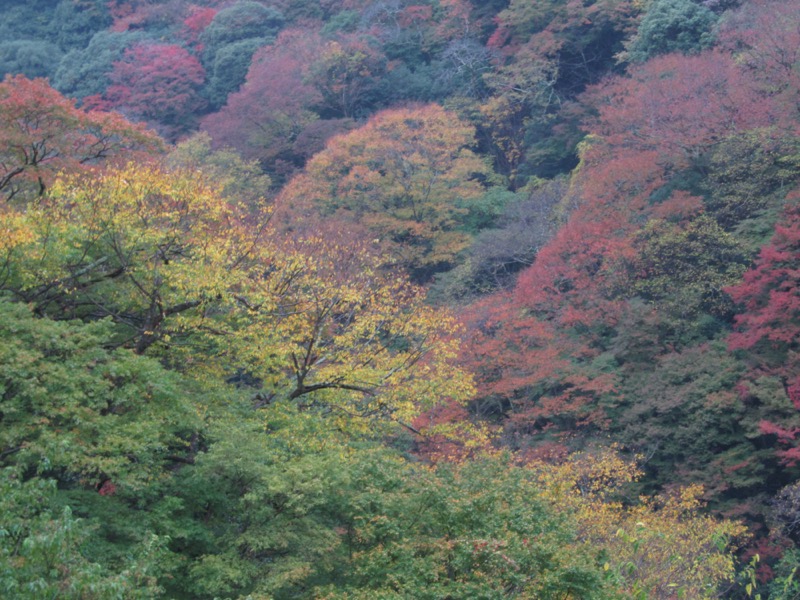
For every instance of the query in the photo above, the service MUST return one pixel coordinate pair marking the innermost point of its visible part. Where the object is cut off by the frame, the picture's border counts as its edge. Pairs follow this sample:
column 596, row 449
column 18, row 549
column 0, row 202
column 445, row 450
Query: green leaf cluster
column 75, row 410
column 43, row 550
column 673, row 26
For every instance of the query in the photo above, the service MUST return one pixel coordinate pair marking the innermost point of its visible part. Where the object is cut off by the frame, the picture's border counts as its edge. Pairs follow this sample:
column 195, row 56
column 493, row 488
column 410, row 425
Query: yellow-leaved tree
column 202, row 281
column 140, row 245
column 330, row 323
column 662, row 547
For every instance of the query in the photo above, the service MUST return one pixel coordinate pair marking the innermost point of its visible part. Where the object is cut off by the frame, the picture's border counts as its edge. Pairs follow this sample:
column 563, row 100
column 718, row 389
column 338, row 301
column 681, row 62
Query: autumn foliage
column 446, row 299
column 158, row 84
column 273, row 106
column 42, row 133
column 768, row 325
column 182, row 270
column 679, row 106
column 645, row 269
column 407, row 175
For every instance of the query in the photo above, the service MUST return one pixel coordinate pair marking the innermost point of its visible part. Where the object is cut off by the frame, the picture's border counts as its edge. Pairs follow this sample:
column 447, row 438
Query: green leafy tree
column 271, row 513
column 684, row 268
column 303, row 513
column 684, row 411
column 76, row 411
column 238, row 179
column 673, row 26
column 32, row 58
column 74, row 23
column 43, row 550
column 479, row 530
column 228, row 70
column 522, row 224
column 23, row 20
column 748, row 174
column 69, row 24
column 242, row 20
column 549, row 51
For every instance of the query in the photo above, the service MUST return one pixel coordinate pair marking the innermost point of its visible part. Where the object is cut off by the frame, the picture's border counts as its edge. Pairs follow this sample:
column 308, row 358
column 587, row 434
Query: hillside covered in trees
column 416, row 299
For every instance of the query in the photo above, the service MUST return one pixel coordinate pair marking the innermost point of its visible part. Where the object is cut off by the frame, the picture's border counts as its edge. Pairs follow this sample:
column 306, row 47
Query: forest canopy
column 393, row 299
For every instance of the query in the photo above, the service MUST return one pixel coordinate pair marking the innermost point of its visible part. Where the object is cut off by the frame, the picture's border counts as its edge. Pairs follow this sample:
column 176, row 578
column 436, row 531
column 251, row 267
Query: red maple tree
column 159, row 84
column 769, row 326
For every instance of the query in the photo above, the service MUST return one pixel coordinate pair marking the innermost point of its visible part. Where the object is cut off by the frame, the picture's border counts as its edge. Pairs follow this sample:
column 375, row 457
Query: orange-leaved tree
column 408, row 175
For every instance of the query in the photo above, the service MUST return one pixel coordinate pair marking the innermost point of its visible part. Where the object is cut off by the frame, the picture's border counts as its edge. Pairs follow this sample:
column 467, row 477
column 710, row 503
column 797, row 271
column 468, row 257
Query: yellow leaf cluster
column 657, row 547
